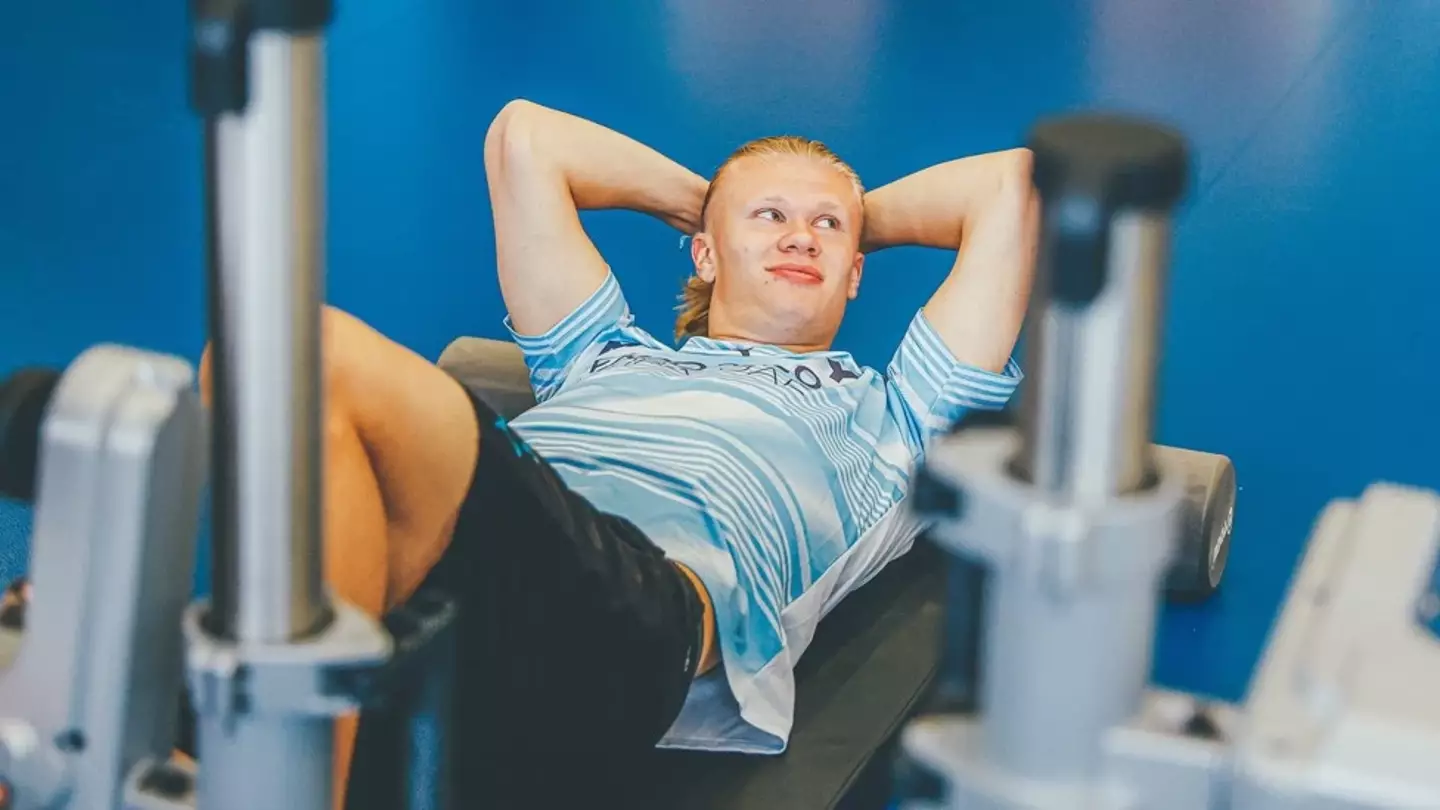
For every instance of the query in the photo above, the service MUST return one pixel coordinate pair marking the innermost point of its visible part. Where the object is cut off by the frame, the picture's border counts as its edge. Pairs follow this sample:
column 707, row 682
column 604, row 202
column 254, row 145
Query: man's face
column 782, row 247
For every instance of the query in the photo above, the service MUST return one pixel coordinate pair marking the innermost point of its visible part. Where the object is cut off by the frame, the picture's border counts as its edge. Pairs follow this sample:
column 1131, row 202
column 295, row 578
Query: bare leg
column 357, row 568
column 354, row 510
column 392, row 417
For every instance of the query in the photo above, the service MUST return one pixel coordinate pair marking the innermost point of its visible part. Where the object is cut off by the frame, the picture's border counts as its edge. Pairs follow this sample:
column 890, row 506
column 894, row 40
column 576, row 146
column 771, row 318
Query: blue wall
column 1298, row 337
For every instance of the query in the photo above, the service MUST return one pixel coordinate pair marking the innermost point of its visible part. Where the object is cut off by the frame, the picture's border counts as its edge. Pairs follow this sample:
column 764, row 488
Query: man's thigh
column 418, row 432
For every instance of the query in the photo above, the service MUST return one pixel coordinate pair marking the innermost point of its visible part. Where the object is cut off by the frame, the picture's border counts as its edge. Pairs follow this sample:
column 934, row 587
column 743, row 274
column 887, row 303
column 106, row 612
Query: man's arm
column 544, row 167
column 984, row 207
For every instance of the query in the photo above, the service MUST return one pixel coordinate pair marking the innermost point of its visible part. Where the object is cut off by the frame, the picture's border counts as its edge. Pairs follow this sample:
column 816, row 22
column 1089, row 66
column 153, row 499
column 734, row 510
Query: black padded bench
column 870, row 665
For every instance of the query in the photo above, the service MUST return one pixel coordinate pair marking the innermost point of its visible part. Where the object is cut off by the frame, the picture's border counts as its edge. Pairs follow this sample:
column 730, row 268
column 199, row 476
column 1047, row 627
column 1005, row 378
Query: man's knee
column 343, row 354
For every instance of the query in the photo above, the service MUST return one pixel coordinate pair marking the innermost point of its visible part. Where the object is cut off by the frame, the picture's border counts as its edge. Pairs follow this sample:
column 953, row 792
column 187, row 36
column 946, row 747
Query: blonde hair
column 694, row 307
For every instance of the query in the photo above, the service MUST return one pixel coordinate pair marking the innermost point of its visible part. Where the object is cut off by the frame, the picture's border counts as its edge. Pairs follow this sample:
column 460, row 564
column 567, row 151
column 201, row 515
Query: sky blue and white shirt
column 778, row 477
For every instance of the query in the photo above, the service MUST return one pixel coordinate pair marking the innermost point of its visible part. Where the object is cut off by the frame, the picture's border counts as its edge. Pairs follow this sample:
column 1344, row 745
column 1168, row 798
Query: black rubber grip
column 293, row 16
column 220, row 32
column 24, row 398
column 219, row 56
column 1089, row 167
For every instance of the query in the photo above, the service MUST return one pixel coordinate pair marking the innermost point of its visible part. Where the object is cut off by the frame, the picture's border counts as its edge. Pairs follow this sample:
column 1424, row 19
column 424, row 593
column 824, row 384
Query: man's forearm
column 602, row 168
column 934, row 207
column 982, row 207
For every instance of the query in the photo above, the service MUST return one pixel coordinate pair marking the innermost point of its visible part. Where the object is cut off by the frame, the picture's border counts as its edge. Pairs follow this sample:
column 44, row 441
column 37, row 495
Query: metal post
column 259, row 80
column 1087, row 415
column 1107, row 187
column 268, row 177
column 1073, row 523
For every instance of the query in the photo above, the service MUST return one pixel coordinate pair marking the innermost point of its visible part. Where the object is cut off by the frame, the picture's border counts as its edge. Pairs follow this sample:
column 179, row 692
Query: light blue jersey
column 778, row 477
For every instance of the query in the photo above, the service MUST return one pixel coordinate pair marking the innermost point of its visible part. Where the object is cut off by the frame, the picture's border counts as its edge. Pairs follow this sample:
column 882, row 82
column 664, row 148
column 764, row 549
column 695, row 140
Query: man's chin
column 795, row 324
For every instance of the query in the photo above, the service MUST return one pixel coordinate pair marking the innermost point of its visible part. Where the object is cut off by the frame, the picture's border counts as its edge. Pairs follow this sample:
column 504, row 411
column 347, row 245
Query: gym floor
column 1299, row 337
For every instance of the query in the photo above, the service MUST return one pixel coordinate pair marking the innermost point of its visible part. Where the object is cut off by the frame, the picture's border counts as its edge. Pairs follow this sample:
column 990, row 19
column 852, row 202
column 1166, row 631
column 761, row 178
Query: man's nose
column 802, row 238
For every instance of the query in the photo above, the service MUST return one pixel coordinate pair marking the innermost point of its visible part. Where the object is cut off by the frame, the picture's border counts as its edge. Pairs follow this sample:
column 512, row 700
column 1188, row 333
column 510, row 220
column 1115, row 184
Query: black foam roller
column 24, row 399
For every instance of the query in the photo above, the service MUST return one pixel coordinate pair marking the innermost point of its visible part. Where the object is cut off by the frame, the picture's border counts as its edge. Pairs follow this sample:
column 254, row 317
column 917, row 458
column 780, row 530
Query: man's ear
column 855, row 273
column 702, row 253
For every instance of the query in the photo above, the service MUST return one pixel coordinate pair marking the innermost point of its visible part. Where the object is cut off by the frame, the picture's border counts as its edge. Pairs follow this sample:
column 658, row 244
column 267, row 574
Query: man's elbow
column 1014, row 192
column 1019, row 170
column 511, row 135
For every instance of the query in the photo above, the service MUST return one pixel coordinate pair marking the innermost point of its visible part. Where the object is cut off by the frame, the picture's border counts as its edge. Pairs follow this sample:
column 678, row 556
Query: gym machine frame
column 89, row 699
column 1065, row 527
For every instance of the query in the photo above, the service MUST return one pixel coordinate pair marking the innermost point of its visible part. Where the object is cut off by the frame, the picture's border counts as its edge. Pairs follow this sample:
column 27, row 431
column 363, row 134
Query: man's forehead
column 813, row 168
column 804, row 179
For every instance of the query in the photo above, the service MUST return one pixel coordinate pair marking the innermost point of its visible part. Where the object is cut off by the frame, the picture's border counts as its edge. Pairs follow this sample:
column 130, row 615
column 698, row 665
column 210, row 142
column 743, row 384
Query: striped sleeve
column 550, row 356
column 930, row 390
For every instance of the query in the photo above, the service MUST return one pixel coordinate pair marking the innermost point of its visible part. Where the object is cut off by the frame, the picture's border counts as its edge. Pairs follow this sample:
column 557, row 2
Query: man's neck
column 740, row 336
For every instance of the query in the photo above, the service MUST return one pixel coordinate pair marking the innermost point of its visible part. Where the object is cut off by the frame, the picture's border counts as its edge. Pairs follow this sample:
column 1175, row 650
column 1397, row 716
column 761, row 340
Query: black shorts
column 577, row 639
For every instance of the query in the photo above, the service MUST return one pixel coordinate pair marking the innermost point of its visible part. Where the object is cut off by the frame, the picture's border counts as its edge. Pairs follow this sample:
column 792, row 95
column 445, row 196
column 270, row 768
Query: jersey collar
column 698, row 343
column 706, row 344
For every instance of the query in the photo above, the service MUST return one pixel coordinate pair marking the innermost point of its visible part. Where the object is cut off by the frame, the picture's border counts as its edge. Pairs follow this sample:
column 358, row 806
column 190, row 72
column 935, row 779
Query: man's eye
column 770, row 214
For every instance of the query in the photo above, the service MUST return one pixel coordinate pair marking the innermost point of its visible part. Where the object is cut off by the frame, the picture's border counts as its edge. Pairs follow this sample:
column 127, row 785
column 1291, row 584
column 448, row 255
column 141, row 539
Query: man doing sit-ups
column 642, row 557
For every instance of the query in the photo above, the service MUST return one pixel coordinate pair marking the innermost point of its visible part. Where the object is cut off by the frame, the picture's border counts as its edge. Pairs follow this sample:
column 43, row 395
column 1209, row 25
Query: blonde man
column 643, row 557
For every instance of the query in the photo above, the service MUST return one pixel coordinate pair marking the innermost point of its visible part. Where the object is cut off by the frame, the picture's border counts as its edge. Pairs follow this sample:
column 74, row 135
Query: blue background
column 1299, row 338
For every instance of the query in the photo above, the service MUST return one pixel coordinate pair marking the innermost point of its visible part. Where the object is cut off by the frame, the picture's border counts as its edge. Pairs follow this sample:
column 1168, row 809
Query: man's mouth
column 798, row 273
